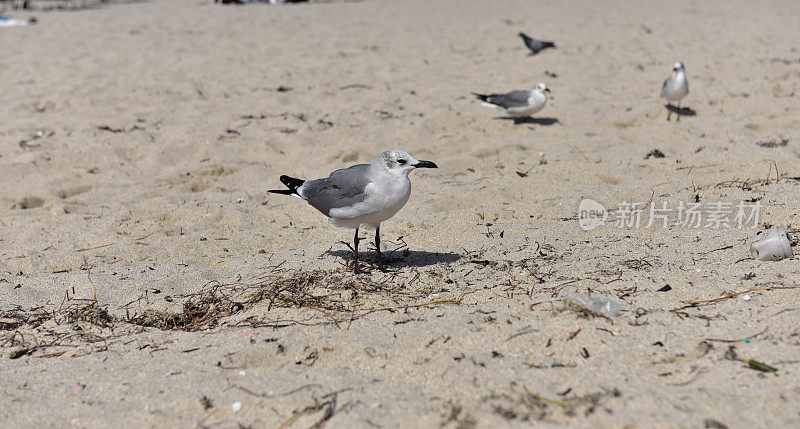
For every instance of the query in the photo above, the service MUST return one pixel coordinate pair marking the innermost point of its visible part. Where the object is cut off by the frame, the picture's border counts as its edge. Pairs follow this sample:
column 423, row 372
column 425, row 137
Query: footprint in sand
column 28, row 203
column 71, row 192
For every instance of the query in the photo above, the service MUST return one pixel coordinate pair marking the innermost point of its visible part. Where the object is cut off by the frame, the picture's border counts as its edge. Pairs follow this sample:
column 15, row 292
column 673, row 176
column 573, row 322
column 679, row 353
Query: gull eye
column 401, row 161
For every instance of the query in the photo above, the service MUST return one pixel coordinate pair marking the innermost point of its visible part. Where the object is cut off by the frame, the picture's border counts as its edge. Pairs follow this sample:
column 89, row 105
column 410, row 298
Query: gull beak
column 425, row 164
column 547, row 90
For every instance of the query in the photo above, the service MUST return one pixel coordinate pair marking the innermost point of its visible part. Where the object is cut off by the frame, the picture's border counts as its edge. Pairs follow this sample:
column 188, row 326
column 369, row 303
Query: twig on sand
column 586, row 157
column 745, row 340
column 264, row 395
column 329, row 406
column 699, row 303
column 526, row 330
column 96, row 247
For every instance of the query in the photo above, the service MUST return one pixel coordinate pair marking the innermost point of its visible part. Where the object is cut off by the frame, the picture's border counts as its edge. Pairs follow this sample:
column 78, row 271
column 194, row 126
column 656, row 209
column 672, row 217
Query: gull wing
column 664, row 86
column 343, row 188
column 509, row 100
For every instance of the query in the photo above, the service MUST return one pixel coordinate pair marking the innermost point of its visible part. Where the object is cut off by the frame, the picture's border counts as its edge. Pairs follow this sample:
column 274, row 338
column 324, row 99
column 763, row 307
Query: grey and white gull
column 675, row 88
column 518, row 103
column 360, row 195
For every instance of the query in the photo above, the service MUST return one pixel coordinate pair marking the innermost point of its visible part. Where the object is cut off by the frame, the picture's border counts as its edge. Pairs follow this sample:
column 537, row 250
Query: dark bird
column 536, row 45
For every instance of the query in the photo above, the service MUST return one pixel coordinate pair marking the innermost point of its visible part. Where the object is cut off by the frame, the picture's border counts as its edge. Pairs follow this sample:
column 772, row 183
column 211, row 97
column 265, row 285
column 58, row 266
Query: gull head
column 678, row 66
column 401, row 163
column 541, row 87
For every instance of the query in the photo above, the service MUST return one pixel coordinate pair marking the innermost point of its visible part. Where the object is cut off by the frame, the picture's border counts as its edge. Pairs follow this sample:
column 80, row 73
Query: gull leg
column 678, row 112
column 355, row 251
column 669, row 111
column 378, row 246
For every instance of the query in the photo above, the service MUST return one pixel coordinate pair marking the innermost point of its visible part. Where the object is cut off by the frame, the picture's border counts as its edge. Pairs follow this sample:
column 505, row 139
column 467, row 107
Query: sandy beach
column 147, row 279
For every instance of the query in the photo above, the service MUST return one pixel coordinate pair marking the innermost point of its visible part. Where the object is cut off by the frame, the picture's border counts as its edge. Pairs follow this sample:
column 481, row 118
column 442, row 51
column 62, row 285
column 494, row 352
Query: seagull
column 675, row 88
column 8, row 22
column 360, row 195
column 519, row 103
column 536, row 45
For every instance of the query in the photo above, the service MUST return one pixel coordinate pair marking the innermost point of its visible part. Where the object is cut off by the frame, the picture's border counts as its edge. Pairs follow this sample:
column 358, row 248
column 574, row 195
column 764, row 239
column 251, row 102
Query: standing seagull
column 675, row 88
column 364, row 194
column 518, row 104
column 535, row 45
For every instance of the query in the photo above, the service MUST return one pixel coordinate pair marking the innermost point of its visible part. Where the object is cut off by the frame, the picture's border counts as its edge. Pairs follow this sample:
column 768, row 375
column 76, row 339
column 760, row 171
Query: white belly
column 525, row 111
column 536, row 102
column 676, row 89
column 383, row 201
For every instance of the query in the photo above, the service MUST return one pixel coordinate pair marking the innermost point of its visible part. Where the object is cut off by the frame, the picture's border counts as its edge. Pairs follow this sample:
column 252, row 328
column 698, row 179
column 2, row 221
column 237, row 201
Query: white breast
column 536, row 102
column 384, row 199
column 676, row 88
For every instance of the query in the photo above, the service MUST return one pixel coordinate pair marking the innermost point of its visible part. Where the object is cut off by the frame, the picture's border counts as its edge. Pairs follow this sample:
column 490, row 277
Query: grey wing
column 511, row 99
column 343, row 188
column 666, row 87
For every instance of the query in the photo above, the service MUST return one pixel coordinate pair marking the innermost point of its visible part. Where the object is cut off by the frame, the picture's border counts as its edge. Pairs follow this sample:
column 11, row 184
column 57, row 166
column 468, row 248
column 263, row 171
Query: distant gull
column 361, row 195
column 519, row 103
column 536, row 45
column 675, row 88
column 9, row 22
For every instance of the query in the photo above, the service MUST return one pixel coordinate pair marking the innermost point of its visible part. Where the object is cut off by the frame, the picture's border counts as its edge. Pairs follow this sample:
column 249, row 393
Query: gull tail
column 546, row 44
column 290, row 183
column 487, row 100
column 482, row 97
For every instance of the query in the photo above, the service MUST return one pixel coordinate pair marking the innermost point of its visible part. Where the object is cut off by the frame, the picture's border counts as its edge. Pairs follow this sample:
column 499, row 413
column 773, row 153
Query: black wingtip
column 289, row 182
column 482, row 97
column 281, row 191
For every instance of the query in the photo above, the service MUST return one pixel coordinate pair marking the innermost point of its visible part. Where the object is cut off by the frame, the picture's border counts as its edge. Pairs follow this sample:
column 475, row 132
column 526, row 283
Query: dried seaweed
column 277, row 299
column 527, row 406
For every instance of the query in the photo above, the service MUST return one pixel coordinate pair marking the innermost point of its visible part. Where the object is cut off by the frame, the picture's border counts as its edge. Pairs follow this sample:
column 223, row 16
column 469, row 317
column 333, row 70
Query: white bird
column 8, row 22
column 518, row 103
column 361, row 195
column 675, row 88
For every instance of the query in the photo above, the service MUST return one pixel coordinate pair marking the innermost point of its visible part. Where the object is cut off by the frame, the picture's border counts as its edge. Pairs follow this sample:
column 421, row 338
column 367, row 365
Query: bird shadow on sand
column 530, row 120
column 683, row 111
column 397, row 259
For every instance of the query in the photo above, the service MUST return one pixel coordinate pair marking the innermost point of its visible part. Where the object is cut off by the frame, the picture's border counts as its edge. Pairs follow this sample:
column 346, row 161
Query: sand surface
column 137, row 143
